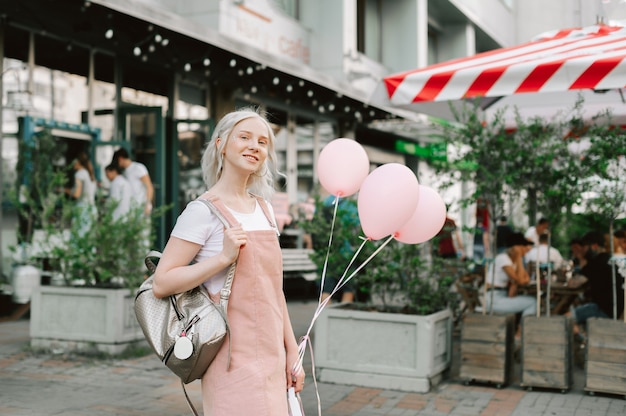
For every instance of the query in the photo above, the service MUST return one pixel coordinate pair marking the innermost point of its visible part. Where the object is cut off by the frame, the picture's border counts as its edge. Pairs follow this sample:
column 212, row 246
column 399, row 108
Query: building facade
column 154, row 75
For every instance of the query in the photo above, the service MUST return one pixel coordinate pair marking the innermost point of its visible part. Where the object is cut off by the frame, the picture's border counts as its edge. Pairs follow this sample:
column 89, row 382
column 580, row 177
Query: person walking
column 139, row 178
column 239, row 166
column 84, row 193
column 120, row 192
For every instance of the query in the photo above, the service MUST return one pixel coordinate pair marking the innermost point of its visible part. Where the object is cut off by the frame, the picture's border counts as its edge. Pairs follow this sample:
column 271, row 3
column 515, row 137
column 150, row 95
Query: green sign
column 434, row 151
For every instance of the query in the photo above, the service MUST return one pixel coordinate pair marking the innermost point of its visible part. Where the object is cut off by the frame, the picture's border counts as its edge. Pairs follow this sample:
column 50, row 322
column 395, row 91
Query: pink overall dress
column 256, row 382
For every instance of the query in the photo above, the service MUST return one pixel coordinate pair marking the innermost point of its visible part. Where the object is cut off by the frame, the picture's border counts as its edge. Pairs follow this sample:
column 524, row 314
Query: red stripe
column 539, row 76
column 483, row 83
column 433, row 86
column 392, row 84
column 562, row 33
column 595, row 73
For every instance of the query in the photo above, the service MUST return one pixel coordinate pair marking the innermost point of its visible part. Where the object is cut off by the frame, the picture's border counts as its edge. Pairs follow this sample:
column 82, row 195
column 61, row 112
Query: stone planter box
column 382, row 350
column 605, row 366
column 84, row 319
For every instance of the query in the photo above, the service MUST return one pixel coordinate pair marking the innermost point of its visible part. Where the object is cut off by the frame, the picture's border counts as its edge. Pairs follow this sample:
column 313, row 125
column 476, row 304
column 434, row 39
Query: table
column 562, row 296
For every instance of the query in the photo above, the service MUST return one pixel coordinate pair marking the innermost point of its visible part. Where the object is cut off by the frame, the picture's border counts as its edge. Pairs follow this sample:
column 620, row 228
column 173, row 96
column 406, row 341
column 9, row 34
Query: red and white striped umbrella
column 579, row 59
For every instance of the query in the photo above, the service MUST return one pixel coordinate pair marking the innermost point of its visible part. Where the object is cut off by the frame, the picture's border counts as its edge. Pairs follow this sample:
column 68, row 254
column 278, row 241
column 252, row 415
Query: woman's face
column 248, row 145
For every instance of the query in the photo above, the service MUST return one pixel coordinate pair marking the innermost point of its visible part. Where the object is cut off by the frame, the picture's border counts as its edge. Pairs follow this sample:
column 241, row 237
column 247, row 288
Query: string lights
column 292, row 88
column 149, row 43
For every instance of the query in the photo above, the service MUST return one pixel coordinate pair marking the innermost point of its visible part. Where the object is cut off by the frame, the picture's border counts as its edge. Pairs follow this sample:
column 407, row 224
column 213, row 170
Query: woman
column 509, row 273
column 84, row 192
column 239, row 159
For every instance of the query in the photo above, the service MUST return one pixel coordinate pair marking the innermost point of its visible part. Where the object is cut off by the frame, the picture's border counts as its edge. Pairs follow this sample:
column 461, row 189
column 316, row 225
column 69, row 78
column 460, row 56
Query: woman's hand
column 295, row 379
column 234, row 238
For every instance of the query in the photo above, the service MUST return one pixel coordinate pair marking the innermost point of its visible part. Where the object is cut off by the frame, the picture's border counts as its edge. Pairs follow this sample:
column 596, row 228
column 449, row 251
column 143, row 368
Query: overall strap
column 265, row 209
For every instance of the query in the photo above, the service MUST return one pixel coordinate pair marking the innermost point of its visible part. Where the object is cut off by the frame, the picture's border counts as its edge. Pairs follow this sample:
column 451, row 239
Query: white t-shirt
column 541, row 253
column 88, row 193
column 120, row 192
column 531, row 234
column 133, row 173
column 199, row 225
column 501, row 279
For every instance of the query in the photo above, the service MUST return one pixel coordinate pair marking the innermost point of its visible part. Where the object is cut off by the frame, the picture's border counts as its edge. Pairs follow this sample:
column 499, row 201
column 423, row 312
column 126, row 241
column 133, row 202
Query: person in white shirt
column 533, row 233
column 120, row 192
column 137, row 175
column 544, row 254
column 84, row 192
column 509, row 273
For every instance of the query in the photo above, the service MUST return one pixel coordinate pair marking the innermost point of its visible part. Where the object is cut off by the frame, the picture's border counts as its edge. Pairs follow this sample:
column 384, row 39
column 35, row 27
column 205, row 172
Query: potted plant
column 89, row 303
column 398, row 334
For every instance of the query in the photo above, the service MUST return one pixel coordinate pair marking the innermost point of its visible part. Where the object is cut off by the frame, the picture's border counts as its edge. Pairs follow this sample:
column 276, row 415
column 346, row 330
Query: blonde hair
column 260, row 183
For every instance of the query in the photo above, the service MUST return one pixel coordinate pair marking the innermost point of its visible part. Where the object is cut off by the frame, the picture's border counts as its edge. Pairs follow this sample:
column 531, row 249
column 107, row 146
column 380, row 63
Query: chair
column 468, row 286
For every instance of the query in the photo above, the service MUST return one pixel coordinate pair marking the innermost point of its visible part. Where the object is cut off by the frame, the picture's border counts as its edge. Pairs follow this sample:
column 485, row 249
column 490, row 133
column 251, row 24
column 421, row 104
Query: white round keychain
column 183, row 348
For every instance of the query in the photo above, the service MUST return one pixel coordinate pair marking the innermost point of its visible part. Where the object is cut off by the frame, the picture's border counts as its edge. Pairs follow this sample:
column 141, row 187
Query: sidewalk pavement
column 38, row 384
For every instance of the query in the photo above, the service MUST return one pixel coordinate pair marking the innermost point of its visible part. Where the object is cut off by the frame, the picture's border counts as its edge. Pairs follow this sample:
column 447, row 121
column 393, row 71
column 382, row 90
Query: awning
column 570, row 60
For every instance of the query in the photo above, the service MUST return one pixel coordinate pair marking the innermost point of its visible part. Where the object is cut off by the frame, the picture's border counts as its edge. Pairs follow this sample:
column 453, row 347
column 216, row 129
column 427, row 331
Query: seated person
column 600, row 283
column 508, row 274
column 544, row 254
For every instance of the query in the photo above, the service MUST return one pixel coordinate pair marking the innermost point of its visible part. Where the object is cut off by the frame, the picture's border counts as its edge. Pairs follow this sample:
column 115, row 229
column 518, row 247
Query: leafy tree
column 533, row 162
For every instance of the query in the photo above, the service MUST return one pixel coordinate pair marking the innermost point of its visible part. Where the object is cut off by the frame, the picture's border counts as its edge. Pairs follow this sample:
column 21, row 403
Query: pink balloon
column 342, row 167
column 387, row 199
column 426, row 221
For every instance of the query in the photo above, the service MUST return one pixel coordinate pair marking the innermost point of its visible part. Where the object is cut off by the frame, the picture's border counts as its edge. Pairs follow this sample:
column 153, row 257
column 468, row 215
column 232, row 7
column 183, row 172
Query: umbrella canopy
column 556, row 65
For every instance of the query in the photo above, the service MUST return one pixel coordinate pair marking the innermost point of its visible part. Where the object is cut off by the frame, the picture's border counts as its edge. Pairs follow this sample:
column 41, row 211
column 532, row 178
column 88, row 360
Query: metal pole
column 1, row 140
column 549, row 278
column 613, row 277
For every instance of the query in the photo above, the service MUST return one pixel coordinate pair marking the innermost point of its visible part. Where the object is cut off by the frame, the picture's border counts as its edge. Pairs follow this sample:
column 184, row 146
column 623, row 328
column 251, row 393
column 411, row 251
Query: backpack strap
column 220, row 211
column 191, row 406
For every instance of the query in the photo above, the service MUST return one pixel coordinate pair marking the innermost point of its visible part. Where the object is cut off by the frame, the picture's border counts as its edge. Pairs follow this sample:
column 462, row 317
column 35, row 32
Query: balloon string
column 320, row 307
column 330, row 241
column 342, row 282
column 358, row 269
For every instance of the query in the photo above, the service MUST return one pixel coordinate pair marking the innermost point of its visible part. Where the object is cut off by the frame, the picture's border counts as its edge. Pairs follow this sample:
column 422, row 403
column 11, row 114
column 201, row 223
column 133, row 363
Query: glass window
column 290, row 7
column 432, row 48
column 369, row 28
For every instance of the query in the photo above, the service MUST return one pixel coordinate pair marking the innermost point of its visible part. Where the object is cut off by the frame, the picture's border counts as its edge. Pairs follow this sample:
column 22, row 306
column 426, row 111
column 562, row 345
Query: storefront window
column 290, row 7
column 192, row 138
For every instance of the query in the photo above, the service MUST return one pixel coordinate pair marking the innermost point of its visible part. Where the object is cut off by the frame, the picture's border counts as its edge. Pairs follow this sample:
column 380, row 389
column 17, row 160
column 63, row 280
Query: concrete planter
column 382, row 350
column 83, row 319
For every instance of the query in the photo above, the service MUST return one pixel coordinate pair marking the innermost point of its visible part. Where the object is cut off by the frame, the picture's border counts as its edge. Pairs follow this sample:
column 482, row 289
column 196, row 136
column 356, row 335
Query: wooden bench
column 297, row 263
